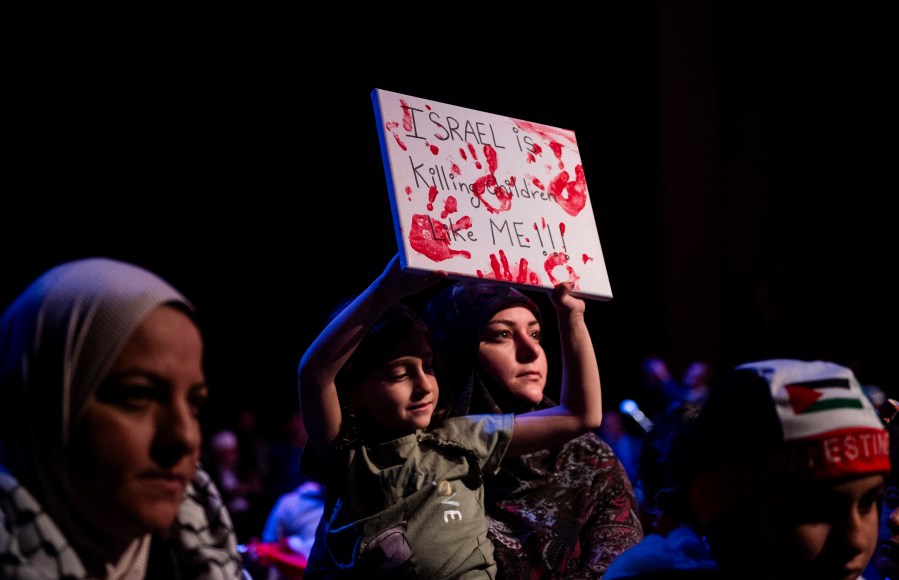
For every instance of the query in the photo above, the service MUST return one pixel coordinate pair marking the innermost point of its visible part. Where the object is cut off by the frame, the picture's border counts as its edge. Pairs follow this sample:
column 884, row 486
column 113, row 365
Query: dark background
column 741, row 160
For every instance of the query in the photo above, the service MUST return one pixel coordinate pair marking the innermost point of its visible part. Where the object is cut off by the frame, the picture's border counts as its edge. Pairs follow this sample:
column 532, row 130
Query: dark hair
column 457, row 316
column 398, row 323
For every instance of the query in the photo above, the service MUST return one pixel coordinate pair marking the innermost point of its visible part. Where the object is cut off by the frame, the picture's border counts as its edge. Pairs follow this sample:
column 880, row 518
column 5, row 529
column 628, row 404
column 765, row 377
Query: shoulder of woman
column 21, row 520
column 204, row 525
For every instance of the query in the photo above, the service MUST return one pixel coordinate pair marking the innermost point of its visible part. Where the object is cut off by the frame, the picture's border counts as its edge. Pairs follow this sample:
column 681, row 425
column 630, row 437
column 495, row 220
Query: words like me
column 512, row 233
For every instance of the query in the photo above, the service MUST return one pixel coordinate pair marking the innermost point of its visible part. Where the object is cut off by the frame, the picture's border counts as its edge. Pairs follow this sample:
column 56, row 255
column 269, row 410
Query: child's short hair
column 397, row 324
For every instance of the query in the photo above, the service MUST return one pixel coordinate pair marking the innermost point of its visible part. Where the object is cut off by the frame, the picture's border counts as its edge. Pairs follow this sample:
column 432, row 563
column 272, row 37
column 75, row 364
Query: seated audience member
column 295, row 517
column 697, row 381
column 282, row 553
column 625, row 437
column 562, row 512
column 787, row 463
column 671, row 548
column 239, row 488
column 885, row 563
column 659, row 389
column 101, row 383
column 284, row 453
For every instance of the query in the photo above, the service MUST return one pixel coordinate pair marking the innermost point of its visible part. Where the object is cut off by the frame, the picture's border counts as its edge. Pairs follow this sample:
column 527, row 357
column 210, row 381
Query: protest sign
column 486, row 196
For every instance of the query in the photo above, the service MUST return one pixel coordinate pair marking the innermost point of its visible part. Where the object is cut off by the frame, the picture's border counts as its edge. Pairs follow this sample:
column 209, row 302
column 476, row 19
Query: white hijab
column 58, row 340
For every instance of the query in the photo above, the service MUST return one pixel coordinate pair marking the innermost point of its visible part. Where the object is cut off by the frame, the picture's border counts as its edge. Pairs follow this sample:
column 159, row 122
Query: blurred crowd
column 775, row 469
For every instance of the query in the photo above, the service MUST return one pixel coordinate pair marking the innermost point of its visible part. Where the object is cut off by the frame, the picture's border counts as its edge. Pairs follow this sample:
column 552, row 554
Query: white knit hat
column 783, row 422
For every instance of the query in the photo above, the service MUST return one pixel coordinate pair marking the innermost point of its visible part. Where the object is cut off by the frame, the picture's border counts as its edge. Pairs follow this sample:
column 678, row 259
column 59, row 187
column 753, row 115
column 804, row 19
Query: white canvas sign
column 486, row 196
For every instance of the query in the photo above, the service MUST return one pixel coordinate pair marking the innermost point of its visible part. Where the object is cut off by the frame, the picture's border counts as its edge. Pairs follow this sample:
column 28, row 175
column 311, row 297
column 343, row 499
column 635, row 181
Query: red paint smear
column 474, row 155
column 455, row 170
column 505, row 273
column 562, row 228
column 522, row 271
column 490, row 156
column 557, row 151
column 479, row 188
column 463, row 154
column 449, row 206
column 552, row 262
column 547, row 132
column 390, row 126
column 500, row 270
column 434, row 149
column 576, row 197
column 512, row 181
column 409, row 192
column 586, row 258
column 538, row 184
column 538, row 150
column 423, row 240
column 463, row 223
column 432, row 195
column 531, row 158
column 407, row 116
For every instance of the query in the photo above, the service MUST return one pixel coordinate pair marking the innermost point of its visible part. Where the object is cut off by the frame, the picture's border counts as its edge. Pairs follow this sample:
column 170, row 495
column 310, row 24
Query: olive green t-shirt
column 412, row 507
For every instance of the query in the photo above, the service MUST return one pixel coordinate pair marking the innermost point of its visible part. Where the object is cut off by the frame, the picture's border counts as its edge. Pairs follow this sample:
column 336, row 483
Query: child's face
column 826, row 531
column 401, row 394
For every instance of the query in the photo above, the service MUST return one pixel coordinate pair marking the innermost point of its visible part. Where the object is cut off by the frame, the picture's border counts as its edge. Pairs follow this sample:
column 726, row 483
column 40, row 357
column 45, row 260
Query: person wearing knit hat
column 788, row 460
column 565, row 512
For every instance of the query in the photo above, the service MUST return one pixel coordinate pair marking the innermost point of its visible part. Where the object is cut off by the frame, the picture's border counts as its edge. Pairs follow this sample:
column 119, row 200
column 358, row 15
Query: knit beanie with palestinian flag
column 779, row 424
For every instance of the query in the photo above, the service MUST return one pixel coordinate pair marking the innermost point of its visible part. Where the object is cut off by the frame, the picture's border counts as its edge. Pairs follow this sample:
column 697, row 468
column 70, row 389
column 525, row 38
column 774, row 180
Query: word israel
column 451, row 129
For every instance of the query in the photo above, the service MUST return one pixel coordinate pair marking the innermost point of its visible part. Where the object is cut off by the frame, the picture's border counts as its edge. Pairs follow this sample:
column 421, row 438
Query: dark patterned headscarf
column 457, row 317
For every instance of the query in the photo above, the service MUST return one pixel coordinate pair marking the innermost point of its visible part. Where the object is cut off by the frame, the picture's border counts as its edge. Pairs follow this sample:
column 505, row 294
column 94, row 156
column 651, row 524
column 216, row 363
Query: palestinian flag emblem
column 821, row 395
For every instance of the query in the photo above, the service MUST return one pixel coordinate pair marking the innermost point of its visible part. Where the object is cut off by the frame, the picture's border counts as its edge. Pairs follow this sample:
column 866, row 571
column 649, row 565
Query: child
column 786, row 464
column 404, row 482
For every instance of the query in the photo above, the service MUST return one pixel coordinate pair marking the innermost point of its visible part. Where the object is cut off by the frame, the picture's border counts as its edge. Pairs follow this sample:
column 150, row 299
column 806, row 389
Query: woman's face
column 511, row 354
column 136, row 446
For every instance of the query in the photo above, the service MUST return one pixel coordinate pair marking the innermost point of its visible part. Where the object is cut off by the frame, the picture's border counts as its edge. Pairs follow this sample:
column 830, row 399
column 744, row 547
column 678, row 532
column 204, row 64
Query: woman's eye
column 499, row 335
column 127, row 395
column 198, row 402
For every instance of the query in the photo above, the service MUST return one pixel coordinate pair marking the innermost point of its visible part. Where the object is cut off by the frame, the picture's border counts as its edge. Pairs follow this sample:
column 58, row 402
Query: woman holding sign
column 565, row 512
column 404, row 482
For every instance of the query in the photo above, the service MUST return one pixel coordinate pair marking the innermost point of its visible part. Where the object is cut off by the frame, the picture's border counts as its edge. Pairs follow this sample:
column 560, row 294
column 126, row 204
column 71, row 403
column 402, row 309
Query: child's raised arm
column 580, row 409
column 332, row 348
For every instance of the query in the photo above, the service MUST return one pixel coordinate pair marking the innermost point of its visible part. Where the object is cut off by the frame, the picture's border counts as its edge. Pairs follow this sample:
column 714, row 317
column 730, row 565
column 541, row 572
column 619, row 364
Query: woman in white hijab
column 101, row 381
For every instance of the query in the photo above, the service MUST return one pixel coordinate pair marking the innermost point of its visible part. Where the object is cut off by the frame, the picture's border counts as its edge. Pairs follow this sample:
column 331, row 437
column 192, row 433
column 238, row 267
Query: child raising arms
column 404, row 486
